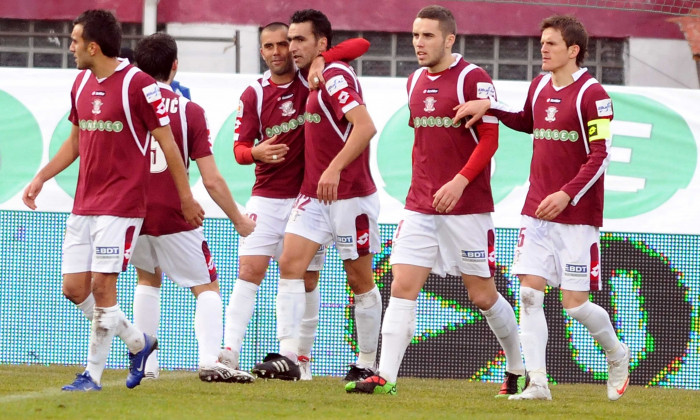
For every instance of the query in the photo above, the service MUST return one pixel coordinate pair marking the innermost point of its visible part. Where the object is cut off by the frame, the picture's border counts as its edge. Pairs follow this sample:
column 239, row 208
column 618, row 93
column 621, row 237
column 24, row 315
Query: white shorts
column 183, row 256
column 101, row 244
column 568, row 256
column 350, row 223
column 271, row 215
column 447, row 244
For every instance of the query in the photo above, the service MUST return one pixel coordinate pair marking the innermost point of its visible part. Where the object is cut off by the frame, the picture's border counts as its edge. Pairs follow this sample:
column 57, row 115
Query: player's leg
column 475, row 254
column 580, row 259
column 535, row 266
column 533, row 336
column 306, row 230
column 147, row 295
column 254, row 253
column 356, row 234
column 413, row 257
column 147, row 311
column 290, row 307
column 241, row 305
column 309, row 322
column 76, row 263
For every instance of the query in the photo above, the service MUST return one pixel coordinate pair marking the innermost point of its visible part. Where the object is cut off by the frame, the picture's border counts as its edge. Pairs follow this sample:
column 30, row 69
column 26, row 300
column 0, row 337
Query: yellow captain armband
column 598, row 129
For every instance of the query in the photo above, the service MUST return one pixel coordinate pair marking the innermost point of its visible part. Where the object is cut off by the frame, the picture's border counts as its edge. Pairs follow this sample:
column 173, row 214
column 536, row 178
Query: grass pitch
column 34, row 392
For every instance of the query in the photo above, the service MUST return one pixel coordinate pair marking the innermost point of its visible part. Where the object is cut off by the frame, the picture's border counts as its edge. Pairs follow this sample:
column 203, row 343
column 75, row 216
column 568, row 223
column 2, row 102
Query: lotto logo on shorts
column 362, row 228
column 107, row 251
column 210, row 261
column 474, row 256
column 576, row 270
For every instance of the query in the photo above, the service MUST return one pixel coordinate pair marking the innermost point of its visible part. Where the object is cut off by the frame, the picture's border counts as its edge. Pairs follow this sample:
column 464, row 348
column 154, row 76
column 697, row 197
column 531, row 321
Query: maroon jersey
column 266, row 109
column 191, row 132
column 441, row 148
column 571, row 131
column 114, row 116
column 327, row 130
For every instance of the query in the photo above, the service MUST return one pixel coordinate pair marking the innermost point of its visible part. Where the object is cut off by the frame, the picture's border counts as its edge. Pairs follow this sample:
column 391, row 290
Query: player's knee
column 76, row 293
column 251, row 273
column 404, row 289
column 482, row 299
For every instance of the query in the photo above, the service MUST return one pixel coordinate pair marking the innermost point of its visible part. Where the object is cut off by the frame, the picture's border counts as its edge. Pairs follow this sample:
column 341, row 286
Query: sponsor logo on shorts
column 576, row 270
column 474, row 256
column 342, row 240
column 363, row 239
column 107, row 251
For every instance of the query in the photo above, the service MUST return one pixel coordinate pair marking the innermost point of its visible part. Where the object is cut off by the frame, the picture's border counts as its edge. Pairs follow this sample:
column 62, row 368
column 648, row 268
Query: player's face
column 80, row 48
column 303, row 44
column 275, row 52
column 555, row 54
column 432, row 47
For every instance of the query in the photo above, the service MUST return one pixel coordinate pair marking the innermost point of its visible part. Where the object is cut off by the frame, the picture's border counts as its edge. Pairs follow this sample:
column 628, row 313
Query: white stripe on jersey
column 584, row 131
column 330, row 117
column 127, row 110
column 183, row 123
column 86, row 77
column 258, row 88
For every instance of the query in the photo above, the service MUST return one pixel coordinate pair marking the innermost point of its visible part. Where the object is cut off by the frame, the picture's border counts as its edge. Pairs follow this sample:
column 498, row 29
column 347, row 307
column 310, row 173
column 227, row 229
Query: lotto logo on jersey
column 604, row 107
column 577, row 270
column 336, row 84
column 474, row 256
column 485, row 90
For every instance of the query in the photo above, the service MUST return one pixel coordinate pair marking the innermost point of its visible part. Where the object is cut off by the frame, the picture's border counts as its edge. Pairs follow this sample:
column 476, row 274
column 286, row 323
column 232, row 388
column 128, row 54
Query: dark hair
column 155, row 54
column 572, row 31
column 442, row 15
column 101, row 27
column 320, row 25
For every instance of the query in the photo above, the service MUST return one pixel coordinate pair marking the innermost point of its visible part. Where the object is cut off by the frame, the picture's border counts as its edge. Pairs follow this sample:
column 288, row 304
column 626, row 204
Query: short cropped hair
column 443, row 15
column 572, row 31
column 100, row 26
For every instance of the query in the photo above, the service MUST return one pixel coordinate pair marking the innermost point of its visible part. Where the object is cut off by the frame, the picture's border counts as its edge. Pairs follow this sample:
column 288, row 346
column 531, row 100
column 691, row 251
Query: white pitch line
column 52, row 392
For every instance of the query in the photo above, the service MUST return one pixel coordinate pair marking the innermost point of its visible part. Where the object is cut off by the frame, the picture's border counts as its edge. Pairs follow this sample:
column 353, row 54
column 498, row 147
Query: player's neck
column 564, row 76
column 104, row 67
column 282, row 79
column 444, row 63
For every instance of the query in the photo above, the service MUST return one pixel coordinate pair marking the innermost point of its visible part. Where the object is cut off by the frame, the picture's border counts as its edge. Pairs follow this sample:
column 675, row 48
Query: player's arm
column 447, row 197
column 347, row 51
column 67, row 154
column 193, row 212
column 219, row 192
column 362, row 132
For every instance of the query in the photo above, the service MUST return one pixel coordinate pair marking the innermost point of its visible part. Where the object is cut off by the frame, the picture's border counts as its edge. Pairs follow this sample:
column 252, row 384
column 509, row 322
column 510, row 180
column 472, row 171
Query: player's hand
column 476, row 109
column 315, row 77
column 270, row 152
column 193, row 212
column 552, row 205
column 245, row 225
column 327, row 190
column 447, row 197
column 31, row 192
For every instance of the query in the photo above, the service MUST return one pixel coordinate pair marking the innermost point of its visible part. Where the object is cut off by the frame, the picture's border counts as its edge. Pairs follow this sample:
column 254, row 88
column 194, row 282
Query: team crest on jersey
column 551, row 112
column 96, row 105
column 287, row 108
column 429, row 104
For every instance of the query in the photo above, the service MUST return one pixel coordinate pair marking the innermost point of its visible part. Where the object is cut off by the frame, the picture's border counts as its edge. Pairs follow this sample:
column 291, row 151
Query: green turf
column 34, row 392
